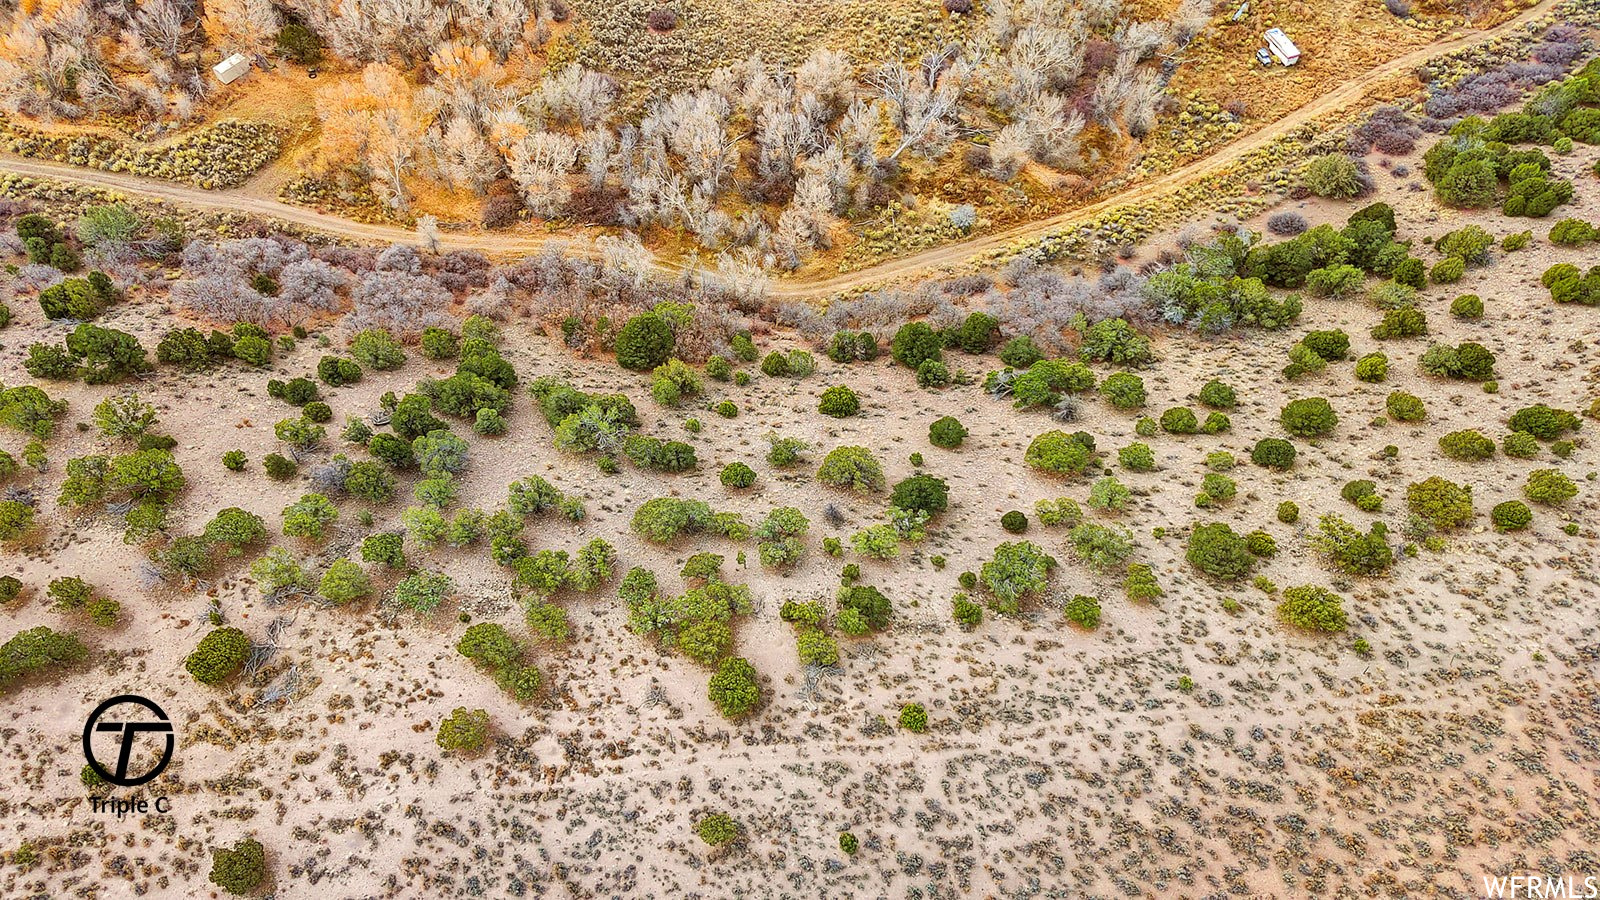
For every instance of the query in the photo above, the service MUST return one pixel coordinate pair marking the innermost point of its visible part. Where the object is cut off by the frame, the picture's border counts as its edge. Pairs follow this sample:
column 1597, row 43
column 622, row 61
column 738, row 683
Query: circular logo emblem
column 130, row 731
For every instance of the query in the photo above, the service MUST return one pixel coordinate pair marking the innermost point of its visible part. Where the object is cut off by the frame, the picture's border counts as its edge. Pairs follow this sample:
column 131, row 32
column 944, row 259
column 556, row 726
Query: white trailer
column 1283, row 49
column 231, row 69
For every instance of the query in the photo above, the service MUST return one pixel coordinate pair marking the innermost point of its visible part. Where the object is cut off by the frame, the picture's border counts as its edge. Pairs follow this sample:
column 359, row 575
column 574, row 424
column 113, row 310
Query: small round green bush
column 1083, row 611
column 1448, row 271
column 839, row 402
column 1124, row 390
column 644, row 343
column 1179, row 420
column 738, row 475
column 1372, row 368
column 239, row 869
column 1466, row 445
column 1404, row 407
column 1467, row 306
column 717, row 829
column 848, row 844
column 947, row 432
column 735, row 689
column 1313, row 608
column 220, row 653
column 1550, row 487
column 1309, row 417
column 1288, row 512
column 1218, row 395
column 727, row 409
column 775, row 365
column 1014, row 521
column 1273, row 453
column 464, row 731
column 317, row 411
column 234, row 460
column 1512, row 515
column 914, row 718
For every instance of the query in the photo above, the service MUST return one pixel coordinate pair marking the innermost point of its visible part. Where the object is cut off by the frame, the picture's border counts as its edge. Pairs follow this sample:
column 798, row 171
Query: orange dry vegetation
column 1338, row 40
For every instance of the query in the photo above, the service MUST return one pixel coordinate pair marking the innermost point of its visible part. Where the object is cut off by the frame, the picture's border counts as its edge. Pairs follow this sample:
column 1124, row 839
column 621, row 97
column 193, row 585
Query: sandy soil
column 1058, row 762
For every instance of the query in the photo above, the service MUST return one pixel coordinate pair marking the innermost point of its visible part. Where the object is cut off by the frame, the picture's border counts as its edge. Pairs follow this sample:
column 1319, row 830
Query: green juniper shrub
column 646, row 341
column 785, row 451
column 387, row 548
column 1511, row 515
column 1549, row 486
column 1404, row 407
column 239, row 869
column 1059, row 453
column 317, row 411
column 279, row 467
column 1020, row 352
column 1261, row 544
column 1137, row 457
column 1372, row 368
column 1403, row 322
column 1288, row 512
column 851, row 346
column 1439, row 502
column 851, row 467
column 839, row 402
column 1217, row 551
column 1110, row 495
column 1331, row 345
column 727, row 409
column 1083, row 611
column 966, row 613
column 234, row 460
column 440, row 343
column 1467, row 306
column 933, row 374
column 1312, row 608
column 738, row 475
column 923, row 493
column 1146, row 427
column 1124, row 390
column 1467, row 361
column 1466, row 445
column 946, row 432
column 336, row 371
column 1309, row 417
column 916, row 342
column 1520, row 445
column 376, row 349
column 717, row 829
column 775, row 365
column 735, row 689
column 1544, row 422
column 1179, row 420
column 1141, row 585
column 1063, row 511
column 1218, row 395
column 220, row 654
column 1014, row 521
column 464, row 731
column 914, row 718
column 1364, row 494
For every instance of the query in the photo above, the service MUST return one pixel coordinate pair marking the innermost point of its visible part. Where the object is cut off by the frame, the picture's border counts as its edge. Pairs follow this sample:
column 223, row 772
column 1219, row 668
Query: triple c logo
column 140, row 725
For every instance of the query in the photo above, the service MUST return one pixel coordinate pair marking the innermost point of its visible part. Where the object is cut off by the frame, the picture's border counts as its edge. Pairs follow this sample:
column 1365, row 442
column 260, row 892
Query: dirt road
column 915, row 265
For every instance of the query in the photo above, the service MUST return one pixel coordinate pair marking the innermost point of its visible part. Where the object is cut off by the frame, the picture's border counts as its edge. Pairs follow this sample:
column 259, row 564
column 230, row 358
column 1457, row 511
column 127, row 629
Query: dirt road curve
column 240, row 199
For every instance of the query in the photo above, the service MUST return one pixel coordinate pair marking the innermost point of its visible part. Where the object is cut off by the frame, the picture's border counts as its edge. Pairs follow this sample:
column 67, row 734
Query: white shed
column 1283, row 49
column 231, row 69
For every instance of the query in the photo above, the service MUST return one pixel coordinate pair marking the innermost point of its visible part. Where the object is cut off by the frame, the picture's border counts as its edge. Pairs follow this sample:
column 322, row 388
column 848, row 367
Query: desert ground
column 1057, row 761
